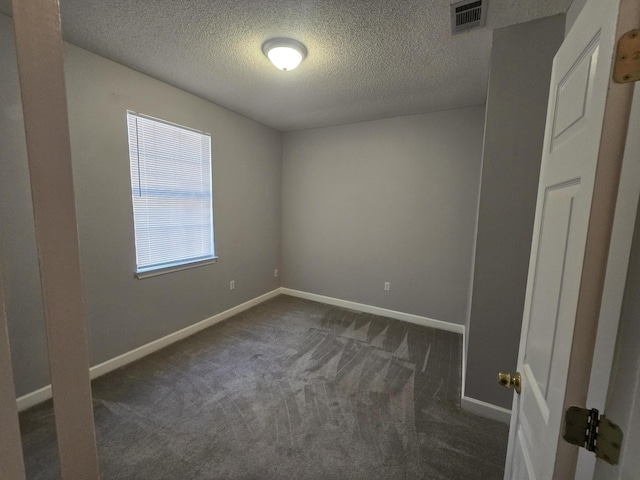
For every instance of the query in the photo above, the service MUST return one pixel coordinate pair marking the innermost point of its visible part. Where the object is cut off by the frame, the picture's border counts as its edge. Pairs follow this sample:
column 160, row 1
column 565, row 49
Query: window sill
column 174, row 268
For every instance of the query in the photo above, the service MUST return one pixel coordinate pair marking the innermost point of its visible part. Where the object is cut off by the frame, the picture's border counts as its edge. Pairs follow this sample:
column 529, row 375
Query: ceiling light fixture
column 285, row 53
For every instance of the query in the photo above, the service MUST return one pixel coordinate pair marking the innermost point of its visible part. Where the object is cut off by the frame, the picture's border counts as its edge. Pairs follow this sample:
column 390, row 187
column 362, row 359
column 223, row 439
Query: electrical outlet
column 275, row 272
column 232, row 284
column 387, row 286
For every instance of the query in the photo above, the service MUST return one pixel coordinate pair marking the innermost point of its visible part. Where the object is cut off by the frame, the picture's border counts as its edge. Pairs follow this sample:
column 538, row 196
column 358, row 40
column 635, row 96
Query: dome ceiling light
column 285, row 53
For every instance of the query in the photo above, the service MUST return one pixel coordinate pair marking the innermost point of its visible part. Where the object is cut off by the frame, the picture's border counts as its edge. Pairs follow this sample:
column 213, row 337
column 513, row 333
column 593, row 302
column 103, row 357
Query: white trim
column 154, row 272
column 474, row 251
column 463, row 378
column 485, row 409
column 44, row 393
column 407, row 317
column 34, row 398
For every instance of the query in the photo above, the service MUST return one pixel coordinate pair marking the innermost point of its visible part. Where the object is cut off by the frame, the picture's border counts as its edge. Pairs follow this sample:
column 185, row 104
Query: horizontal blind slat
column 171, row 193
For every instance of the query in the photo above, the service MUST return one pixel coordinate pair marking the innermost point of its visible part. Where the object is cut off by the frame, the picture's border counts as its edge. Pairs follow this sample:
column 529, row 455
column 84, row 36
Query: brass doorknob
column 506, row 380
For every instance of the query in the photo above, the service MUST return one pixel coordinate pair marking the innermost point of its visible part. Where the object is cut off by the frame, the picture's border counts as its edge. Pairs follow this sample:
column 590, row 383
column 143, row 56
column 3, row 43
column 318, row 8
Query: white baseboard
column 44, row 393
column 34, row 398
column 485, row 409
column 360, row 307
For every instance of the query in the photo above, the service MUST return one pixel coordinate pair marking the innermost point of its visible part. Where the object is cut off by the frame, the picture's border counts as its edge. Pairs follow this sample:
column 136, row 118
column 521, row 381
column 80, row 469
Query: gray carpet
column 290, row 389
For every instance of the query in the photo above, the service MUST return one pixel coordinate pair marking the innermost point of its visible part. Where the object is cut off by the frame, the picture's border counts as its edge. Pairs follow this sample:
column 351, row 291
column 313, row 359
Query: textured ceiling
column 367, row 59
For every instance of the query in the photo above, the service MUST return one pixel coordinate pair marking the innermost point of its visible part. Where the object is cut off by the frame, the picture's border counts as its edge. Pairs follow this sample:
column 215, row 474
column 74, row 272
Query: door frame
column 594, row 338
column 615, row 203
column 588, row 387
column 615, row 282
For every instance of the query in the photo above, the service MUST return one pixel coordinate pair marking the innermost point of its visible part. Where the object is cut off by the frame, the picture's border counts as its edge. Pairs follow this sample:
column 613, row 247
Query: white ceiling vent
column 468, row 14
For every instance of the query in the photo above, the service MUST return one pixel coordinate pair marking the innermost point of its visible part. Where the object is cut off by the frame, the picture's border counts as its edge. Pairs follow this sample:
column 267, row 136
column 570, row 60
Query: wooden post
column 40, row 54
column 11, row 463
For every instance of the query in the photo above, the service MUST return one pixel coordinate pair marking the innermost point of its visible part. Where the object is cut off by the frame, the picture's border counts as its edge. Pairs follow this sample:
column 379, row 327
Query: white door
column 557, row 290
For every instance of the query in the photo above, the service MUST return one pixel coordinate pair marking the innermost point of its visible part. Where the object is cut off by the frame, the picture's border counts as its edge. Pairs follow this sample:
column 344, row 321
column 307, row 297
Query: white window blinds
column 171, row 193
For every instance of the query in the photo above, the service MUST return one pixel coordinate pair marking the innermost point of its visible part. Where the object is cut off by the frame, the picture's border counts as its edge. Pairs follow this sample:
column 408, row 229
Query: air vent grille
column 468, row 14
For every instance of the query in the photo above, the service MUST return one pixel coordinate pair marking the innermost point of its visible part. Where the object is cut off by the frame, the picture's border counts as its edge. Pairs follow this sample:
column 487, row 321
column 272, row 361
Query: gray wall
column 390, row 200
column 573, row 12
column 125, row 313
column 521, row 63
column 17, row 232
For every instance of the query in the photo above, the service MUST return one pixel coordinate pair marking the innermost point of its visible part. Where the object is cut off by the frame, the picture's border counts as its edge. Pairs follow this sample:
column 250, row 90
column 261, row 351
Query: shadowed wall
column 521, row 61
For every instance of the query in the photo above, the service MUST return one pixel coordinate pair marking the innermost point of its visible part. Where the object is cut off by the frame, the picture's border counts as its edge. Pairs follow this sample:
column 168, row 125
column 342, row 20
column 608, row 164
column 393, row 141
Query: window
column 172, row 195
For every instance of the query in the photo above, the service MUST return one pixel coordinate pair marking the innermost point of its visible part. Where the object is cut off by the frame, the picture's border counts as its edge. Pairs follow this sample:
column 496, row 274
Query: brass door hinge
column 627, row 62
column 595, row 432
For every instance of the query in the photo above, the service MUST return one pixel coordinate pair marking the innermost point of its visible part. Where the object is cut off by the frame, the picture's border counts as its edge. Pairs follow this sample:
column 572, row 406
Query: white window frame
column 141, row 153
